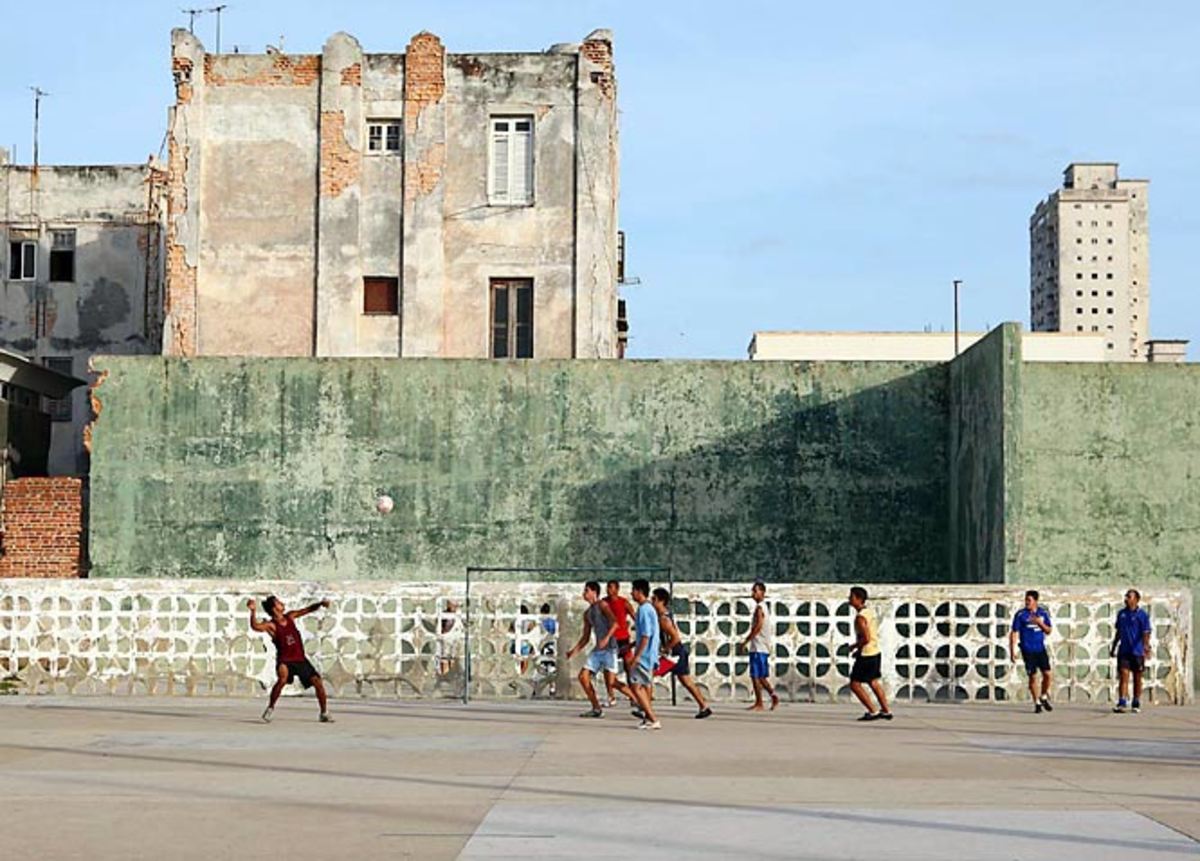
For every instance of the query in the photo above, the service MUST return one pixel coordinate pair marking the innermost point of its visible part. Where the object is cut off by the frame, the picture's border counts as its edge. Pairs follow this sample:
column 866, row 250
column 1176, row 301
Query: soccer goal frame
column 564, row 574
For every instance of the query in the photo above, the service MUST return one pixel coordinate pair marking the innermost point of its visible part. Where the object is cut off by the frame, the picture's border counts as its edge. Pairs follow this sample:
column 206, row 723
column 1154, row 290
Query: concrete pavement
column 123, row 778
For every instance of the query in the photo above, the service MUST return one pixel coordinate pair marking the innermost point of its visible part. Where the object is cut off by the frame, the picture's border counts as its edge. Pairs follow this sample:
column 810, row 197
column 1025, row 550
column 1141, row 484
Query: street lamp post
column 957, row 284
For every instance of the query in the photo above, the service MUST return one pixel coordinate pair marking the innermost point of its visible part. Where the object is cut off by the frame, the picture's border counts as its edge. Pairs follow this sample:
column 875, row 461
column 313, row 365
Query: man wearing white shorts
column 603, row 658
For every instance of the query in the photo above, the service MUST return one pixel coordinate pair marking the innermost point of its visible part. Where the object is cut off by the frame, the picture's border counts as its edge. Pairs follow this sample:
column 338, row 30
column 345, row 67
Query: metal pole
column 671, row 589
column 467, row 642
column 218, row 10
column 957, row 284
column 38, row 92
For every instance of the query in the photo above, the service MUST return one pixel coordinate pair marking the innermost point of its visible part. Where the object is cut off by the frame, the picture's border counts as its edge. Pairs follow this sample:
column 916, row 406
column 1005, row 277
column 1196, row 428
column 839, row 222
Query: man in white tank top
column 758, row 642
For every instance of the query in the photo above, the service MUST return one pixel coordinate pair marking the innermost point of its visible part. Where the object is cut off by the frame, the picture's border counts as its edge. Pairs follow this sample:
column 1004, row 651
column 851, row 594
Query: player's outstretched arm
column 311, row 608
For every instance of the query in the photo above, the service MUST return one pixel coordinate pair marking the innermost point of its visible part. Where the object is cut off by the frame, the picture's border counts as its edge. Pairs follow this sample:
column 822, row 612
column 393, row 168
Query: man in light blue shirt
column 645, row 654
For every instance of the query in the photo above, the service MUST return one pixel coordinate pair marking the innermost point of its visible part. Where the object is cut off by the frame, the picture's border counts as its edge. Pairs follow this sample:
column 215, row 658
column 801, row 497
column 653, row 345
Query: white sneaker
column 268, row 714
column 650, row 725
column 325, row 717
column 612, row 701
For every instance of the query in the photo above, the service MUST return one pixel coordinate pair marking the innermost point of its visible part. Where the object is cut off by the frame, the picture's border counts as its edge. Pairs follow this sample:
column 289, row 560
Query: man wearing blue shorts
column 1130, row 645
column 759, row 642
column 1031, row 625
column 603, row 659
column 645, row 655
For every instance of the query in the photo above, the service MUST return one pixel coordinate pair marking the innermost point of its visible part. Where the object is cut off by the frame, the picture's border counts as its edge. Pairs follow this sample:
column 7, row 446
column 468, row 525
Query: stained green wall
column 1110, row 474
column 724, row 470
column 984, row 421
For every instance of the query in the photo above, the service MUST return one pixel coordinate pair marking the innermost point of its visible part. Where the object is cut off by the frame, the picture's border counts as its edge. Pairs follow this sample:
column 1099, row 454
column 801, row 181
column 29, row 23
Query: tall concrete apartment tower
column 1089, row 260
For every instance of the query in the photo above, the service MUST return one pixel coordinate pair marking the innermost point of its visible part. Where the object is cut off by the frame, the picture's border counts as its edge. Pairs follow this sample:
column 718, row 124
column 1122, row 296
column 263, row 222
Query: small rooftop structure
column 915, row 346
column 1167, row 350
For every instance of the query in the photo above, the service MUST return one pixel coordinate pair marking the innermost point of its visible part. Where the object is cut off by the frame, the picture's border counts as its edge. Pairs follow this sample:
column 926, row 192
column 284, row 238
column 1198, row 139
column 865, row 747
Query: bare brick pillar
column 43, row 527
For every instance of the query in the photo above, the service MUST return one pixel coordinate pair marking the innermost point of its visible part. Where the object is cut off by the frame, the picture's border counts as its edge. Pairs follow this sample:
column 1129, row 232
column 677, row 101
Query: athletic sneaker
column 885, row 715
column 268, row 714
column 1046, row 704
column 612, row 701
column 1119, row 708
column 325, row 717
column 638, row 713
column 1037, row 708
column 650, row 724
column 868, row 717
column 1137, row 707
column 703, row 713
column 592, row 713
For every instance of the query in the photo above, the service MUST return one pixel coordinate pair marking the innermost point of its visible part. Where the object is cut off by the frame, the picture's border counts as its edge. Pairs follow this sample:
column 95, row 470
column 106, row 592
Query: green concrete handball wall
column 249, row 468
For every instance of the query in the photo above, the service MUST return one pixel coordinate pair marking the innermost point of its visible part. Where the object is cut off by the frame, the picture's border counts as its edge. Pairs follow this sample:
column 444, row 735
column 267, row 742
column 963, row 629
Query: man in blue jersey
column 1130, row 645
column 645, row 655
column 1032, row 624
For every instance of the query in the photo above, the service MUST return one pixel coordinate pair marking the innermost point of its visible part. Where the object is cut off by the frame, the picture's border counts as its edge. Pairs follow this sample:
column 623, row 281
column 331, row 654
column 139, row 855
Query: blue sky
column 784, row 165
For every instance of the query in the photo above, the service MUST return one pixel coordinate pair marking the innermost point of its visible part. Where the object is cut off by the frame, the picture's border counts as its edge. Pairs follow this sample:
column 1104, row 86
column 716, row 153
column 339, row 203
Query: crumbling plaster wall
column 111, row 305
column 483, row 242
column 275, row 199
column 243, row 215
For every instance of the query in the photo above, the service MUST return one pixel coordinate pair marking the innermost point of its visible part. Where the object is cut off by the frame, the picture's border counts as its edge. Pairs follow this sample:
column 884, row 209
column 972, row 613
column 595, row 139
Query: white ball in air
column 384, row 504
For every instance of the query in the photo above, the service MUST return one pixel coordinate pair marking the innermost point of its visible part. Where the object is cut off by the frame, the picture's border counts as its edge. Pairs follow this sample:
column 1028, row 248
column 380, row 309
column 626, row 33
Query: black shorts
column 302, row 670
column 1035, row 661
column 683, row 666
column 866, row 668
column 624, row 648
column 1131, row 662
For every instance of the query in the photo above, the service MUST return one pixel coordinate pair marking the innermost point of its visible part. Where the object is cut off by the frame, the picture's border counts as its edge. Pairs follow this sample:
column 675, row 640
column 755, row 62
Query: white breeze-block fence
column 409, row 640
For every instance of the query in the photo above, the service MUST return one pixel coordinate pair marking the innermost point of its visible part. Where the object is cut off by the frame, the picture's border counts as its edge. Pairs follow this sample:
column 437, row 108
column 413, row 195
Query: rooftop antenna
column 192, row 13
column 218, row 10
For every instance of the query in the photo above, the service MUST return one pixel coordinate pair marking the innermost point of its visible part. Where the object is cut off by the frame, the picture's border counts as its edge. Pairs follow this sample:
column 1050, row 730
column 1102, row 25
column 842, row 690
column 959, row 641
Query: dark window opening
column 62, row 255
column 381, row 295
column 512, row 318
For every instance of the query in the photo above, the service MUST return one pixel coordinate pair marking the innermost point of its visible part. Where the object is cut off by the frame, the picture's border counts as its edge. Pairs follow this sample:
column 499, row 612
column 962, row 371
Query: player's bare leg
column 281, row 680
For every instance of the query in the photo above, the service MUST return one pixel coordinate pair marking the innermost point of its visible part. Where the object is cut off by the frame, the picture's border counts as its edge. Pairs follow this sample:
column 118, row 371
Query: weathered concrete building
column 82, row 275
column 1089, row 259
column 409, row 204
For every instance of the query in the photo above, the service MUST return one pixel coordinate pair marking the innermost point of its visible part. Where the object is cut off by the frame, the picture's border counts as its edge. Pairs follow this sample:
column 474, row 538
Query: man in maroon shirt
column 290, row 660
column 622, row 612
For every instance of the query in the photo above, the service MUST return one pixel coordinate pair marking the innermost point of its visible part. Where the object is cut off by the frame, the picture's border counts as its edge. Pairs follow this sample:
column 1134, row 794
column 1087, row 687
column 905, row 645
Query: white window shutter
column 500, row 162
column 522, row 167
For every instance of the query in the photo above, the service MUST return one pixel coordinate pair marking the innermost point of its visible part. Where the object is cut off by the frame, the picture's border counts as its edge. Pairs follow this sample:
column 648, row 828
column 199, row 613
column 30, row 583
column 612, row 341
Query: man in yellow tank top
column 866, row 670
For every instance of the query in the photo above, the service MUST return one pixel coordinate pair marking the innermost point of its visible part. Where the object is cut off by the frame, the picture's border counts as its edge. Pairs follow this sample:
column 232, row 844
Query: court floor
column 127, row 778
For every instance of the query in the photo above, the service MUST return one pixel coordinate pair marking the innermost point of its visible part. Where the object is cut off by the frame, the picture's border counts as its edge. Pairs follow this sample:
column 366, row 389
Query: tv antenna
column 217, row 10
column 192, row 13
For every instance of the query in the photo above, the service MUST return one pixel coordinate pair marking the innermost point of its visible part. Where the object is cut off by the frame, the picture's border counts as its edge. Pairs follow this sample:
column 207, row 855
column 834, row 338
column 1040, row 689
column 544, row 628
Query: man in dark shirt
column 290, row 660
column 1130, row 645
column 1032, row 624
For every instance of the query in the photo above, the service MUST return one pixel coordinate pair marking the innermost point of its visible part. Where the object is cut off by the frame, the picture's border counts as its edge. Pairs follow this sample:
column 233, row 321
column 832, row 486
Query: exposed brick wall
column 424, row 75
column 352, row 75
column 181, row 67
column 276, row 70
column 341, row 164
column 180, row 299
column 43, row 527
column 600, row 52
